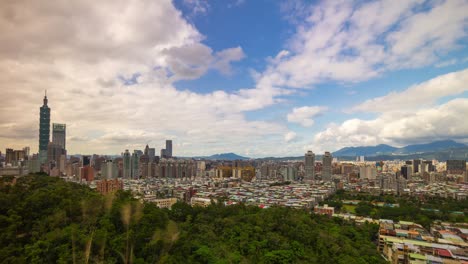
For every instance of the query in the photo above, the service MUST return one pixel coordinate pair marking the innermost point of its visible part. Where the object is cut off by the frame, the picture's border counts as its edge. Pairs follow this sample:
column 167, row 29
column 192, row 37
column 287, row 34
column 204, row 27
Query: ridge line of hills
column 441, row 150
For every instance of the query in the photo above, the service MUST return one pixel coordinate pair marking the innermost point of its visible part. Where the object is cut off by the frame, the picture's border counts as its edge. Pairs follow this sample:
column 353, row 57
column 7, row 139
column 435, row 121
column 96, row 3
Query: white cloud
column 406, row 117
column 197, row 7
column 78, row 52
column 420, row 95
column 446, row 63
column 290, row 136
column 446, row 121
column 351, row 41
column 304, row 115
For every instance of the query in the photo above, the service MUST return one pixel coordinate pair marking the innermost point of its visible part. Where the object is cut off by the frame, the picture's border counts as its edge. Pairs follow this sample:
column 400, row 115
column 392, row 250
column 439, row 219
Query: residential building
column 309, row 165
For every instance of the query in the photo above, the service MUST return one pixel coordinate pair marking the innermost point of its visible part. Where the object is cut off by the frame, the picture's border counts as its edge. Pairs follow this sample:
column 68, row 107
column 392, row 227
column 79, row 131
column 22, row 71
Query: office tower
column 62, row 163
column 151, row 154
column 44, row 130
column 327, row 166
column 9, row 156
column 109, row 170
column 85, row 160
column 163, row 153
column 416, row 164
column 430, row 167
column 54, row 151
column 126, row 165
column 456, row 166
column 406, row 172
column 135, row 163
column 309, row 165
column 14, row 157
column 169, row 148
column 59, row 134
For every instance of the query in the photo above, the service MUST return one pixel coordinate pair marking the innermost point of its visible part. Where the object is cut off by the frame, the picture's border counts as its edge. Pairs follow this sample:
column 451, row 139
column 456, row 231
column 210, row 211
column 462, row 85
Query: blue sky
column 259, row 78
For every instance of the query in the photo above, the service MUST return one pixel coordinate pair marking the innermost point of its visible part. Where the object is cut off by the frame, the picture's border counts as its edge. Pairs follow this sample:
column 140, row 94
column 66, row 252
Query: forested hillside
column 47, row 220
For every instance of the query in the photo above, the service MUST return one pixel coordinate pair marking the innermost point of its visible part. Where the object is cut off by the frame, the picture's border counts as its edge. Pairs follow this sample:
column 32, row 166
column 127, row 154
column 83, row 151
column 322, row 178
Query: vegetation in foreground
column 47, row 220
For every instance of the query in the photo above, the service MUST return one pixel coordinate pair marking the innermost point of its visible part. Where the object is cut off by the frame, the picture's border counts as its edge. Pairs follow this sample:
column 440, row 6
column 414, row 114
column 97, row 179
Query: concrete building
column 327, row 166
column 407, row 171
column 59, row 134
column 309, row 166
column 87, row 173
column 109, row 170
column 127, row 168
column 368, row 172
column 456, row 166
column 169, row 148
column 165, row 203
column 109, row 186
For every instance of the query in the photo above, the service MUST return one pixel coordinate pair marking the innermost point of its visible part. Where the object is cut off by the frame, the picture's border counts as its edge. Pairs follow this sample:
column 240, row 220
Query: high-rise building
column 109, row 170
column 126, row 165
column 151, row 154
column 416, row 164
column 85, row 160
column 54, row 151
column 327, row 166
column 59, row 134
column 456, row 166
column 367, row 172
column 135, row 165
column 163, row 153
column 44, row 130
column 169, row 148
column 309, row 165
column 406, row 171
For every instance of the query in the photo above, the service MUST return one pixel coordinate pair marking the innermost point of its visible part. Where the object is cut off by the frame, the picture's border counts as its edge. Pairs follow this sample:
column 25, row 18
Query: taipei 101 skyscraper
column 44, row 130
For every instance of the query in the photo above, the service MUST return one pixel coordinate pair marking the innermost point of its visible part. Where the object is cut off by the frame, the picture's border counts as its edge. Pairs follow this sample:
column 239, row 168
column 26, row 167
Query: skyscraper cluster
column 326, row 168
column 52, row 154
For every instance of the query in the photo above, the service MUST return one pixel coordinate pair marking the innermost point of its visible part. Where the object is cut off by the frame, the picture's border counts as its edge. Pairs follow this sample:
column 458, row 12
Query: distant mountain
column 365, row 151
column 434, row 146
column 383, row 150
column 225, row 156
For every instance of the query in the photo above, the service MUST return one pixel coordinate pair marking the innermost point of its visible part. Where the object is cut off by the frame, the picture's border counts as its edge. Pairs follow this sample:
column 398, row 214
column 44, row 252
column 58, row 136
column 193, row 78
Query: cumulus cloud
column 290, row 136
column 446, row 121
column 406, row 117
column 351, row 41
column 420, row 95
column 80, row 52
column 304, row 115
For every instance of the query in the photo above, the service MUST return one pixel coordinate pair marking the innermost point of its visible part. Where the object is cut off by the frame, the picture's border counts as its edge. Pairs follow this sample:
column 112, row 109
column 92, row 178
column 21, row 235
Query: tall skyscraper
column 135, row 164
column 327, row 166
column 59, row 134
column 169, row 148
column 416, row 164
column 126, row 165
column 44, row 130
column 309, row 165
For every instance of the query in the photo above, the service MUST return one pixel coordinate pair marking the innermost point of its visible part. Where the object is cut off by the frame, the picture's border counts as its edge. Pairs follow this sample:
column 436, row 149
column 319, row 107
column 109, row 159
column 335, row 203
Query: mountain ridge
column 383, row 149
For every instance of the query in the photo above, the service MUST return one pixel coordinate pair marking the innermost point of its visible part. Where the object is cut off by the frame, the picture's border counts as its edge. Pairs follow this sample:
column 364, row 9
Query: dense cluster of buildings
column 408, row 242
column 413, row 177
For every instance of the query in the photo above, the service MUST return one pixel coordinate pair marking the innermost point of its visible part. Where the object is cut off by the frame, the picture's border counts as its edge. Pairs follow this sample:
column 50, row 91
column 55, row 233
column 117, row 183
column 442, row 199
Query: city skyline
column 309, row 76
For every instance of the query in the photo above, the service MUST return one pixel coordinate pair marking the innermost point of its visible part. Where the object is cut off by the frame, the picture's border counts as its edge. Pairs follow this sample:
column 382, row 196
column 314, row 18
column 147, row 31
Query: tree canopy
column 47, row 220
